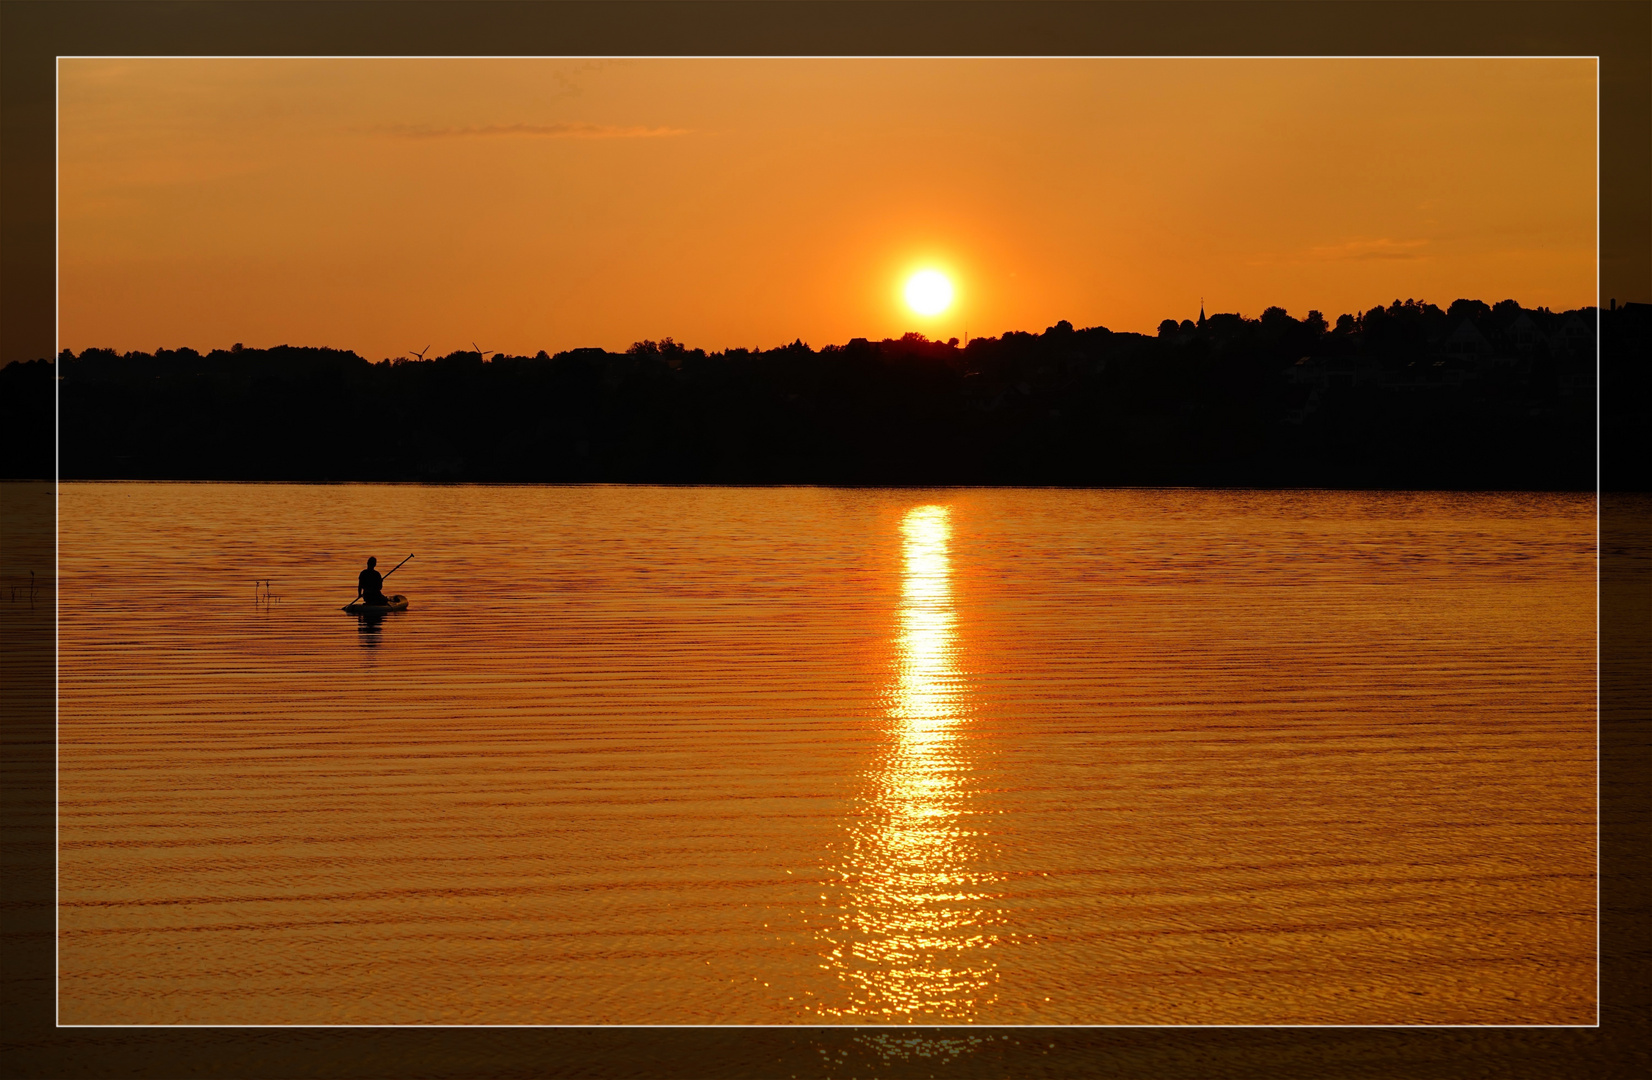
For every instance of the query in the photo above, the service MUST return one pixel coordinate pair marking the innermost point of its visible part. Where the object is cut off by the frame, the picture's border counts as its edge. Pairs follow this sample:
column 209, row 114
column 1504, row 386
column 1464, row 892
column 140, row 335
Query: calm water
column 710, row 755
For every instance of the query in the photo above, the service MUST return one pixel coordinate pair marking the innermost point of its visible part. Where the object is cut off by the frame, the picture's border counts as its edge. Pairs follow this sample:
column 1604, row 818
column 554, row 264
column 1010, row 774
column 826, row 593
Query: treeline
column 1408, row 395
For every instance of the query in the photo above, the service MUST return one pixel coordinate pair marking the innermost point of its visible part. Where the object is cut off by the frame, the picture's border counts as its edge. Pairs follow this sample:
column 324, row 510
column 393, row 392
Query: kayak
column 398, row 602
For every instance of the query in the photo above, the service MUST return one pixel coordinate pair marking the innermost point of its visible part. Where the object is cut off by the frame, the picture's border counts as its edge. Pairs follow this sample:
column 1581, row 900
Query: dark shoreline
column 1409, row 397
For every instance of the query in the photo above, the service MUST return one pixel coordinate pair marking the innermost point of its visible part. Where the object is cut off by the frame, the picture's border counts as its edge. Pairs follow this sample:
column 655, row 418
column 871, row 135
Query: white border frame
column 57, row 483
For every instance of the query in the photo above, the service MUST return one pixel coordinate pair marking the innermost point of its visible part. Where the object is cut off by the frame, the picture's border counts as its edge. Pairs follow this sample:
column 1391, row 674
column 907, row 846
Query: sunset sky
column 389, row 205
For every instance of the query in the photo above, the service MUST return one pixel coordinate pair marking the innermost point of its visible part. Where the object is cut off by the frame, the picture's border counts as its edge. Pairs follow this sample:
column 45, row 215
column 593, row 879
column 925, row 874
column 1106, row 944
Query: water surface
column 710, row 755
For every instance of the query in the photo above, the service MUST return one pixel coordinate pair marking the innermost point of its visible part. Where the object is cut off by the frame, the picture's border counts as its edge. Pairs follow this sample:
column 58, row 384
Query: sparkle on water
column 914, row 927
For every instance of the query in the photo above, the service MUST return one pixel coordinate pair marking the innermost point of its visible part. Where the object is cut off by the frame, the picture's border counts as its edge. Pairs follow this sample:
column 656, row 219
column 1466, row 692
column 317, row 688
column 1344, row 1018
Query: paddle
column 393, row 569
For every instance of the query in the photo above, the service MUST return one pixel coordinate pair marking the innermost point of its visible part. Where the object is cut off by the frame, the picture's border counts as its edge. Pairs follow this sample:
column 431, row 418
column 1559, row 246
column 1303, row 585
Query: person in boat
column 372, row 584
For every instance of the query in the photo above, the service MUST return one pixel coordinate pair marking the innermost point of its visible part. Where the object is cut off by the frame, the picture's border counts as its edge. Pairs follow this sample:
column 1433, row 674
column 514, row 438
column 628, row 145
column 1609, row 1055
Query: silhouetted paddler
column 372, row 584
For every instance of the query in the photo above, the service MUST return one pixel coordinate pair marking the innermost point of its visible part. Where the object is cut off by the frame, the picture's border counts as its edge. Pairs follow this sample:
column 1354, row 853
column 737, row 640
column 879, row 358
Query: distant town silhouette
column 1407, row 395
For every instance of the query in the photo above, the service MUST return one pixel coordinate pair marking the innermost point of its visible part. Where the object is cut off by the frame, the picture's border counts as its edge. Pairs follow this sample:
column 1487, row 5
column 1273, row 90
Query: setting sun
column 928, row 292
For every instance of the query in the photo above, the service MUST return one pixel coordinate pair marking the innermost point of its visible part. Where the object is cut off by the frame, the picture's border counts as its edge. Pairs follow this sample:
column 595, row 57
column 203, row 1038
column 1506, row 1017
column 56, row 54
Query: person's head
column 372, row 561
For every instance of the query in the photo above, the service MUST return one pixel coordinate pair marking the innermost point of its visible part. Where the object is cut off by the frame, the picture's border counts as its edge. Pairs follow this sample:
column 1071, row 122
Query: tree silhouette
column 1381, row 400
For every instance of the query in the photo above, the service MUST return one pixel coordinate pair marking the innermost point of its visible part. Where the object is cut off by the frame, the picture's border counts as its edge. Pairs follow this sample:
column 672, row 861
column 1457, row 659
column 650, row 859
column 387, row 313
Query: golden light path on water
column 912, row 936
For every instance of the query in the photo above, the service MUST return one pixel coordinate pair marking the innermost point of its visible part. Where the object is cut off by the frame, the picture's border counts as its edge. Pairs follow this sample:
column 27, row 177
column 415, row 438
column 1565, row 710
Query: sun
column 928, row 292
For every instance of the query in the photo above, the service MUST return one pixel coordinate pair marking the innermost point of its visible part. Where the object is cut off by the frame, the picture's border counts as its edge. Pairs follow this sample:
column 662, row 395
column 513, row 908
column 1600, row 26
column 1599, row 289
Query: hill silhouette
column 1407, row 395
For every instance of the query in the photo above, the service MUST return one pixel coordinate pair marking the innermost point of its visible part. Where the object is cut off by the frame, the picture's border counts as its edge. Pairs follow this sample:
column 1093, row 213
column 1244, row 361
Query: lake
column 642, row 755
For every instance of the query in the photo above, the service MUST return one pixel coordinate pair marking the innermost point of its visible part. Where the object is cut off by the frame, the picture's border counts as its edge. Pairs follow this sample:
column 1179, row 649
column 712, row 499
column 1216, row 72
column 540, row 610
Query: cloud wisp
column 1349, row 251
column 1369, row 249
column 573, row 129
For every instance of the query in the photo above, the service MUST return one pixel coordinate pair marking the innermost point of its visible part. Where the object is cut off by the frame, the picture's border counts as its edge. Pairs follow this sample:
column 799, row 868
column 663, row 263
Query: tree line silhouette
column 1403, row 395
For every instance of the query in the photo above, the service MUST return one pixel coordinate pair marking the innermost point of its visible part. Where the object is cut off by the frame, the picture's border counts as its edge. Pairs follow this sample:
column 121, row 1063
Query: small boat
column 397, row 602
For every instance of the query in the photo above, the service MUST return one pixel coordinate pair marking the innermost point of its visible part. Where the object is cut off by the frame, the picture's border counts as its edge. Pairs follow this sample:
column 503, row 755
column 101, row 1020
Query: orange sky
column 387, row 205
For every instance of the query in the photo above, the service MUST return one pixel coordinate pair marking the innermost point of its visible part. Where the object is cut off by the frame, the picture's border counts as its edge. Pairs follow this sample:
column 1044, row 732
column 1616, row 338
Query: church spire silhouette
column 1201, row 313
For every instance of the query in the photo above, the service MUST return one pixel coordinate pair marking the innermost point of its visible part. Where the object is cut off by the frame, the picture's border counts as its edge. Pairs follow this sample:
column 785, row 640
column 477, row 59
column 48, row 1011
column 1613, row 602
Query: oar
column 393, row 569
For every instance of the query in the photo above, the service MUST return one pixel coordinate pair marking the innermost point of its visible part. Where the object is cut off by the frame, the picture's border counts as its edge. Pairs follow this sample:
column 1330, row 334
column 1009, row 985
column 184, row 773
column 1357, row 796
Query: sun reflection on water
column 912, row 936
